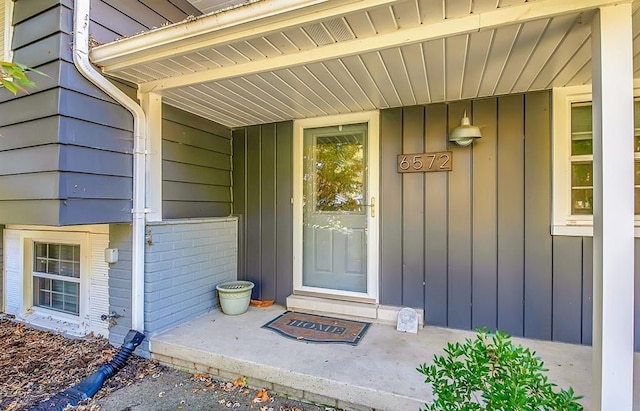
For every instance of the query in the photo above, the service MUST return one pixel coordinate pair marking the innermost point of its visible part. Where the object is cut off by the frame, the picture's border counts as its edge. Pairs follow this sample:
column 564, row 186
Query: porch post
column 152, row 105
column 613, row 199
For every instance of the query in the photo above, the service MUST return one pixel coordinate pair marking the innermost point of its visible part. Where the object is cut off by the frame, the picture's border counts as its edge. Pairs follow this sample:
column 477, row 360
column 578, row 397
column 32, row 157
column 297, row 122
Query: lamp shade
column 465, row 133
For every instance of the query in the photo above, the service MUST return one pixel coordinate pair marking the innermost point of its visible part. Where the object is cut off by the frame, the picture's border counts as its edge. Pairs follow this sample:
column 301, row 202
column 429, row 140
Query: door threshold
column 353, row 310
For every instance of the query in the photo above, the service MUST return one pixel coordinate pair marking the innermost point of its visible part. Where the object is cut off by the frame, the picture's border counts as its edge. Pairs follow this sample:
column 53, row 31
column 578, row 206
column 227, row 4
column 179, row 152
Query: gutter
column 81, row 61
column 200, row 26
column 229, row 25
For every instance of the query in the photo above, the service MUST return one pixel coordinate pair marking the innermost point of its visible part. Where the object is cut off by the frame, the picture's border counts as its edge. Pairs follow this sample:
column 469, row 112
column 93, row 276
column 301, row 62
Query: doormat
column 318, row 328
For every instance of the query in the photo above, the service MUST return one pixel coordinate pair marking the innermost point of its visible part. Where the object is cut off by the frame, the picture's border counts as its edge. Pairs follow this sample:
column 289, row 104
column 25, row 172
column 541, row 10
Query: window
column 56, row 277
column 573, row 161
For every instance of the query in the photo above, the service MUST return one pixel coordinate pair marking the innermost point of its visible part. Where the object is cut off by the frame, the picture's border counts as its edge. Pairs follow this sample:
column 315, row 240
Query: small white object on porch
column 613, row 220
column 408, row 320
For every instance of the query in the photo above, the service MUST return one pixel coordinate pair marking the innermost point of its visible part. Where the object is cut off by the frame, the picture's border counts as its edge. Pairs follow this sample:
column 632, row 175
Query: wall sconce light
column 464, row 134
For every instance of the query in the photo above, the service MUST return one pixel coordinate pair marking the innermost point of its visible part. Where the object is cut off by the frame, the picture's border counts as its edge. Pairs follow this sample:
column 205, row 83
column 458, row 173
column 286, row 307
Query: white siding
column 99, row 285
column 14, row 273
column 97, row 277
column 3, row 9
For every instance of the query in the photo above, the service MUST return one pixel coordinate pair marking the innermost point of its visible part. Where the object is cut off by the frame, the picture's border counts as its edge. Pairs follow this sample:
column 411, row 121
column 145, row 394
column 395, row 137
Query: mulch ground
column 35, row 365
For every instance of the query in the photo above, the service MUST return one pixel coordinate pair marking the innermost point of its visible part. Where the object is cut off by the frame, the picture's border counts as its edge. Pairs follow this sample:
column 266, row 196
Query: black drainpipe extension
column 90, row 385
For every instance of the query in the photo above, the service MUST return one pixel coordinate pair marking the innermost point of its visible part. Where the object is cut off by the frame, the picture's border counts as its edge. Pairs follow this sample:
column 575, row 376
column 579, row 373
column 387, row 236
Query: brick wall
column 184, row 261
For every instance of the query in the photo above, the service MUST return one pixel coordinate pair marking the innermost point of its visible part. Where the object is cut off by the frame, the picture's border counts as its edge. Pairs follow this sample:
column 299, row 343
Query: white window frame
column 563, row 222
column 7, row 29
column 71, row 238
column 57, row 277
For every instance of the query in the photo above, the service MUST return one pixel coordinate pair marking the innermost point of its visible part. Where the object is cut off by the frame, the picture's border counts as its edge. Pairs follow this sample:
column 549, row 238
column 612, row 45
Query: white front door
column 335, row 216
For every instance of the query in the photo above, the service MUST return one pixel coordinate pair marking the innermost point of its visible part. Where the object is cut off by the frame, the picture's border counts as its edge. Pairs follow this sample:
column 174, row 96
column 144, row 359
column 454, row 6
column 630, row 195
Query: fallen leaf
column 261, row 396
column 161, row 394
column 261, row 304
column 240, row 382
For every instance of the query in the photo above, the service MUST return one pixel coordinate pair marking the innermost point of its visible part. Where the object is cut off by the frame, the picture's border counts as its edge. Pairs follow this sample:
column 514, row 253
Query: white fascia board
column 259, row 18
column 446, row 28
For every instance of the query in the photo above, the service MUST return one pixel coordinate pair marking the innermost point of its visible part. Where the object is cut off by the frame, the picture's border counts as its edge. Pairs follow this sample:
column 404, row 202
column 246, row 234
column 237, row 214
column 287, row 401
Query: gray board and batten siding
column 196, row 166
column 262, row 190
column 472, row 247
column 65, row 155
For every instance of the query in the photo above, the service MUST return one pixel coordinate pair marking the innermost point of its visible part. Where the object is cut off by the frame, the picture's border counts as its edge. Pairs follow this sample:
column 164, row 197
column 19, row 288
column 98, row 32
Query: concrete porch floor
column 378, row 374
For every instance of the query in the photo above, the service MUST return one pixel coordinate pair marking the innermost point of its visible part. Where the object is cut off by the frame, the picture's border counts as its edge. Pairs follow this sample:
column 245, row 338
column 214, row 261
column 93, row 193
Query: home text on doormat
column 318, row 328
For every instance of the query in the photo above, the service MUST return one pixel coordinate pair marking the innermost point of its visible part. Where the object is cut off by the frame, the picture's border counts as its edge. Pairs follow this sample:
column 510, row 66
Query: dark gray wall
column 114, row 19
column 65, row 155
column 471, row 247
column 196, row 166
column 468, row 244
column 262, row 190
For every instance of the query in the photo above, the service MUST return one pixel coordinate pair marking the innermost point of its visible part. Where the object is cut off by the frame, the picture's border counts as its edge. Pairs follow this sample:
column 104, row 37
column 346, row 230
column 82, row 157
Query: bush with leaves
column 13, row 76
column 490, row 373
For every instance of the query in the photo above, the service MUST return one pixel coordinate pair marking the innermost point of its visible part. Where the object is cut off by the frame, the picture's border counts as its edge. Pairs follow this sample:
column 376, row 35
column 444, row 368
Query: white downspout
column 81, row 60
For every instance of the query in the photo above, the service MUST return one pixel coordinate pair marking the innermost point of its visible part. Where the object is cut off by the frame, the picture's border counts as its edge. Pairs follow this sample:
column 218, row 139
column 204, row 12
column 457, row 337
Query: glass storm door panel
column 334, row 214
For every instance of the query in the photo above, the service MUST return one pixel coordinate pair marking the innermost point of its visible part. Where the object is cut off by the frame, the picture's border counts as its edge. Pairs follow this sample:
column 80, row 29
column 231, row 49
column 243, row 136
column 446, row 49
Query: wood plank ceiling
column 514, row 58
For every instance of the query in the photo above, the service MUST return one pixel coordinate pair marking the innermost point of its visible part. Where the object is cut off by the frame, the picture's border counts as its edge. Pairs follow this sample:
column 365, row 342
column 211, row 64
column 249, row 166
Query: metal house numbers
column 424, row 162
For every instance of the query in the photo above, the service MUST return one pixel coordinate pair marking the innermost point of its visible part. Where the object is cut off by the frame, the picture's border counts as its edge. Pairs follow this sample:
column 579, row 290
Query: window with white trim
column 56, row 277
column 573, row 161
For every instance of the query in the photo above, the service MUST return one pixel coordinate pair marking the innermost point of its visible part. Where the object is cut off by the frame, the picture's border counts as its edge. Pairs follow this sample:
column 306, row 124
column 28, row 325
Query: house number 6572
column 424, row 162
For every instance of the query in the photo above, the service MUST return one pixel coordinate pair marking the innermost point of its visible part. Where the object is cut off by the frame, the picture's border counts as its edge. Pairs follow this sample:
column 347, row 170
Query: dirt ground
column 34, row 365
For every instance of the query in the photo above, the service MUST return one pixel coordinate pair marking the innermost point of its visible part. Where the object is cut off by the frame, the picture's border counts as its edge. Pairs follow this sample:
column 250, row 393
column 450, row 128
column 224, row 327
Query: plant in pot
column 490, row 373
column 235, row 296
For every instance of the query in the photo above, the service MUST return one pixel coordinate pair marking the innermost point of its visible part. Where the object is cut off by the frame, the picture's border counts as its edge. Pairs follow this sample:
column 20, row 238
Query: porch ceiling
column 248, row 65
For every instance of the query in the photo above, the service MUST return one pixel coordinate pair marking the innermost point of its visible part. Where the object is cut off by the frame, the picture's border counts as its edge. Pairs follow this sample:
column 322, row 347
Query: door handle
column 373, row 207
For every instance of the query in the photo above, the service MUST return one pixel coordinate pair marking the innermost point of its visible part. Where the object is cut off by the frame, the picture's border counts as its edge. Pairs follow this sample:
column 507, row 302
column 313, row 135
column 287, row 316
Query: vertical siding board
column 284, row 210
column 239, row 194
column 413, row 211
column 268, row 213
column 510, row 214
column 254, row 205
column 537, row 215
column 567, row 289
column 390, row 207
column 587, row 290
column 436, row 212
column 485, row 217
column 460, row 226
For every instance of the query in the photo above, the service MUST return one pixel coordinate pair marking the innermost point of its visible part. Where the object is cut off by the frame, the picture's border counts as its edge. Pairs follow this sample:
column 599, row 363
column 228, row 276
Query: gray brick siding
column 120, row 236
column 184, row 261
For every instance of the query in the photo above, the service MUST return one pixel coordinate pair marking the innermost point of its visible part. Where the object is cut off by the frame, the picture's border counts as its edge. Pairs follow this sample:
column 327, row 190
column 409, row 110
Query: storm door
column 336, row 211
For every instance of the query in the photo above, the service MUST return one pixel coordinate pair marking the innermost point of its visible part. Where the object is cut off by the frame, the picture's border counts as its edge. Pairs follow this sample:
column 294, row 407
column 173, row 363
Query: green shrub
column 490, row 373
column 13, row 76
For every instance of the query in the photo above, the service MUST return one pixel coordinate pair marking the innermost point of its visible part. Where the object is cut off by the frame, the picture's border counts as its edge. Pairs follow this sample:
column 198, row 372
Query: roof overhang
column 275, row 60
